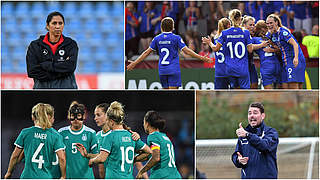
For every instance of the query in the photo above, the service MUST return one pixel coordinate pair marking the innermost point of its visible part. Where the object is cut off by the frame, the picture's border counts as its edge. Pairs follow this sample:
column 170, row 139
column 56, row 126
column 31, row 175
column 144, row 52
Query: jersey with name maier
column 236, row 41
column 168, row 46
column 121, row 148
column 40, row 147
column 77, row 165
column 166, row 168
column 265, row 57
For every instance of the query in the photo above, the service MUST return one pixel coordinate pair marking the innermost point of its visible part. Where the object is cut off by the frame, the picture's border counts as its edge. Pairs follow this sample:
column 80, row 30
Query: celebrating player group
column 71, row 151
column 282, row 63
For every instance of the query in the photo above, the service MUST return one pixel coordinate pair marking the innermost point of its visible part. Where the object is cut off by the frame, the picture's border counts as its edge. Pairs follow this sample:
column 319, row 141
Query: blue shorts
column 283, row 75
column 296, row 74
column 171, row 80
column 270, row 73
column 242, row 82
column 253, row 73
column 221, row 83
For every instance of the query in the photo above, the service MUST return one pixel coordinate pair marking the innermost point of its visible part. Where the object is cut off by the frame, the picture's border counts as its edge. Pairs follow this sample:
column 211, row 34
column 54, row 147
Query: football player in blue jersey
column 248, row 23
column 269, row 63
column 238, row 43
column 168, row 45
column 221, row 80
column 292, row 55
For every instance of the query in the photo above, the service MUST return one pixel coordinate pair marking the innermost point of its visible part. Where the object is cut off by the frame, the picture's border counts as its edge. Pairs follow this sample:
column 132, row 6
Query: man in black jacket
column 256, row 150
column 52, row 59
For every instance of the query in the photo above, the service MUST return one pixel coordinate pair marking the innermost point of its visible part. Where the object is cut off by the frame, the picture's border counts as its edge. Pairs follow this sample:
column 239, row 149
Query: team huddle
column 71, row 151
column 282, row 63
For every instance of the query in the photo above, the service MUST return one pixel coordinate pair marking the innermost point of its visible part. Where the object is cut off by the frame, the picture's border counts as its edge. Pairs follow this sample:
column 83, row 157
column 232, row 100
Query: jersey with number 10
column 40, row 147
column 168, row 45
column 77, row 165
column 166, row 168
column 121, row 149
column 236, row 40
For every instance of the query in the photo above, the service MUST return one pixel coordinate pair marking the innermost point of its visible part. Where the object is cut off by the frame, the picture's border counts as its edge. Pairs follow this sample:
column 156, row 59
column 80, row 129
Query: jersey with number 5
column 236, row 41
column 121, row 149
column 166, row 168
column 77, row 165
column 220, row 65
column 40, row 147
column 168, row 46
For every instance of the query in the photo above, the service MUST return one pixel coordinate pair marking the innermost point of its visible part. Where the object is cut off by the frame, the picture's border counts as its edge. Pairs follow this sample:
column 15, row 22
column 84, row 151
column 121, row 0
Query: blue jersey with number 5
column 220, row 65
column 236, row 40
column 168, row 45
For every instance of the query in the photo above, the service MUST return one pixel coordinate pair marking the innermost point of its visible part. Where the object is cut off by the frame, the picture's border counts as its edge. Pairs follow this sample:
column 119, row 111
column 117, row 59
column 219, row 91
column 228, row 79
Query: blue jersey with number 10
column 236, row 41
column 168, row 45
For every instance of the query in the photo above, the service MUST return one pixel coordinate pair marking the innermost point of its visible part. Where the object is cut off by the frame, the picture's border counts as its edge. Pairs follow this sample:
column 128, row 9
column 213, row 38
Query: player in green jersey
column 40, row 144
column 162, row 163
column 118, row 148
column 101, row 120
column 77, row 132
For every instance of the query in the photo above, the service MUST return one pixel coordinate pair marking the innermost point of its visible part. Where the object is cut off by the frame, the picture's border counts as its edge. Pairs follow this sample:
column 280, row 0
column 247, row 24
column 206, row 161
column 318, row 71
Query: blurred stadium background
column 191, row 27
column 97, row 27
column 293, row 114
column 176, row 108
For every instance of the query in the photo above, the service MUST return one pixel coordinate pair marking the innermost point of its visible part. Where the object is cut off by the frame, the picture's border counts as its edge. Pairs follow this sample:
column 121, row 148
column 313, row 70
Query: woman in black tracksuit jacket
column 52, row 59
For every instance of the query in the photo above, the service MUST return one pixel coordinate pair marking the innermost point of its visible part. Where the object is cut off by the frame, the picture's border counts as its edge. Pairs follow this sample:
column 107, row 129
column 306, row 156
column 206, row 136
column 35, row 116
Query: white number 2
column 40, row 161
column 171, row 155
column 166, row 50
column 125, row 156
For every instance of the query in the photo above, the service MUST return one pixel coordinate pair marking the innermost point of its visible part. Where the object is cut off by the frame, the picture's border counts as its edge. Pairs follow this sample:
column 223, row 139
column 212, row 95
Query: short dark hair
column 257, row 105
column 167, row 24
column 55, row 13
column 155, row 120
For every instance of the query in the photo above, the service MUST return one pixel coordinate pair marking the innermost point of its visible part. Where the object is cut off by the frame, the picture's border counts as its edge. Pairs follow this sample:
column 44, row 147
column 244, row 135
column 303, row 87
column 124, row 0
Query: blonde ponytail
column 42, row 113
column 116, row 112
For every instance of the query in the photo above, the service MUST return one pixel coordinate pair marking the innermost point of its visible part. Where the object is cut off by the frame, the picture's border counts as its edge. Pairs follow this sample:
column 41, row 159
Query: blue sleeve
column 153, row 44
column 234, row 156
column 181, row 43
column 268, row 143
column 249, row 39
column 285, row 35
column 94, row 144
column 221, row 39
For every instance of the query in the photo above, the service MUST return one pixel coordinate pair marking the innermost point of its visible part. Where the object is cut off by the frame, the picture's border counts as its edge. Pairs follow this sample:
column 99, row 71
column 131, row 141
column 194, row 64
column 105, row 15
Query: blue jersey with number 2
column 168, row 45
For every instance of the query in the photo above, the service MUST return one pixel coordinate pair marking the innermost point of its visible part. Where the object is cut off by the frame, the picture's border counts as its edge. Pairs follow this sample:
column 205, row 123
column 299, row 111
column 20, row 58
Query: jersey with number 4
column 168, row 46
column 121, row 149
column 77, row 165
column 40, row 147
column 166, row 168
column 235, row 40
